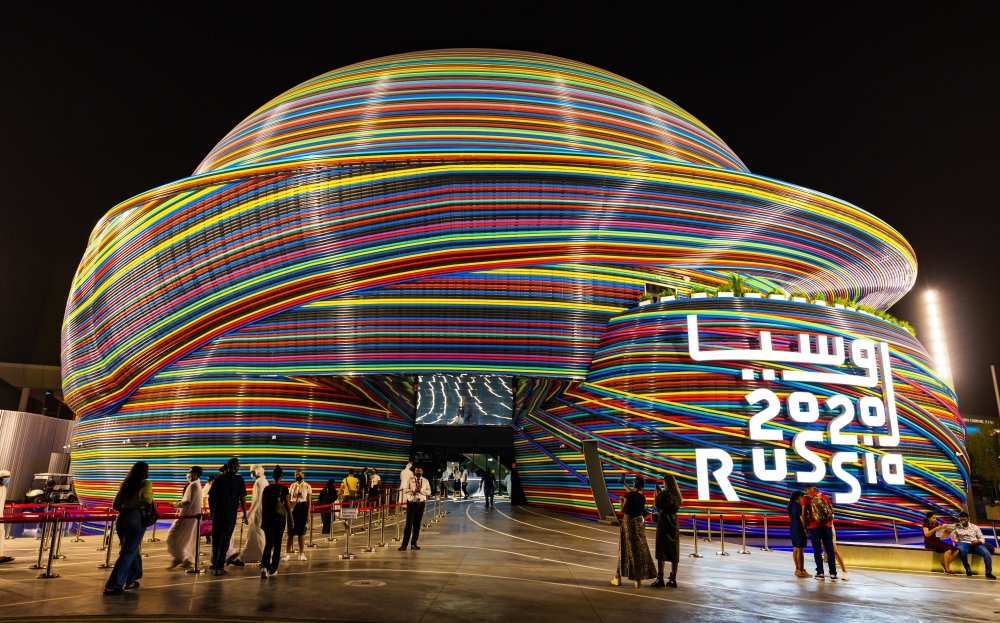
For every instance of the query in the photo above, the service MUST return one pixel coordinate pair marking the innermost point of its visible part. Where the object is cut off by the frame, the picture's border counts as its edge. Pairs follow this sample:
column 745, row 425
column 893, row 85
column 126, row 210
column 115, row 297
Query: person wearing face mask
column 4, row 477
column 228, row 493
column 300, row 497
column 182, row 534
column 416, row 490
column 967, row 537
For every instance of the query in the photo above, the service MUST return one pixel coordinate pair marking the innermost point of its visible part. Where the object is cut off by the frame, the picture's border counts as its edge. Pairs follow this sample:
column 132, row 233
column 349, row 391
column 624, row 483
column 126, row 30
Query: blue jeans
column 822, row 538
column 965, row 548
column 128, row 567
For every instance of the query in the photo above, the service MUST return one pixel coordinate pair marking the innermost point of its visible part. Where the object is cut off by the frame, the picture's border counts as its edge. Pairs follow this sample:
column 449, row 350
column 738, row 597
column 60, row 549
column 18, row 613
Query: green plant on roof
column 735, row 283
column 819, row 296
column 840, row 300
column 668, row 292
column 645, row 296
column 800, row 294
column 697, row 288
column 776, row 291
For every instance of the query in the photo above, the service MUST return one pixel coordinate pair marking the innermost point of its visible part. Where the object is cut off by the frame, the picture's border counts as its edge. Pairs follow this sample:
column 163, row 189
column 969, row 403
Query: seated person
column 967, row 537
column 934, row 543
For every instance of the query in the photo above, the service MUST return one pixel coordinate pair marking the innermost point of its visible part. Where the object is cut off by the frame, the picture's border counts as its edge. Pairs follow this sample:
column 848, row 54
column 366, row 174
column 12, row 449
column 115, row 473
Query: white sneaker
column 286, row 557
column 302, row 557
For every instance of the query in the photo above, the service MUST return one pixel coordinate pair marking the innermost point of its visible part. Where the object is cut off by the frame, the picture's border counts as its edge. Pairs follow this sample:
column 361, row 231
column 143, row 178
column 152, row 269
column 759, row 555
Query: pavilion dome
column 462, row 103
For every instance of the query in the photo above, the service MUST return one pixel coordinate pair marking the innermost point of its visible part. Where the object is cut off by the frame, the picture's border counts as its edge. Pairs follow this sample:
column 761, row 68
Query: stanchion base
column 312, row 545
column 766, row 549
column 707, row 541
column 368, row 549
column 695, row 556
column 37, row 567
column 101, row 549
column 60, row 557
column 721, row 553
column 76, row 540
column 153, row 540
column 397, row 540
column 104, row 566
column 46, row 576
column 195, row 571
column 347, row 556
column 331, row 539
column 745, row 553
column 382, row 545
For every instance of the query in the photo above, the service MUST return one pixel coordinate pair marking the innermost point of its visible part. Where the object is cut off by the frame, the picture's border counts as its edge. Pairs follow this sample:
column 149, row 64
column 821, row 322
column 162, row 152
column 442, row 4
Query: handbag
column 151, row 516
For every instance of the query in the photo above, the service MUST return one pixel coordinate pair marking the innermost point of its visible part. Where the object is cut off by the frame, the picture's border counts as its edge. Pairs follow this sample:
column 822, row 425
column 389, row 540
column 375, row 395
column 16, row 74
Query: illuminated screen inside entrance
column 464, row 400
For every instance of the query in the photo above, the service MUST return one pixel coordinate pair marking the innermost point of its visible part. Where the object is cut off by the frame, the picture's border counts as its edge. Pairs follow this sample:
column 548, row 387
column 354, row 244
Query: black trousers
column 325, row 517
column 414, row 515
column 271, row 555
column 489, row 497
column 222, row 533
column 465, row 489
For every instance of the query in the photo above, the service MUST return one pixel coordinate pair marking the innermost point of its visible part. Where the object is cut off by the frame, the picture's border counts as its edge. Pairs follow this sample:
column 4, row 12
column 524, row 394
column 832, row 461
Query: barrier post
column 445, row 502
column 743, row 528
column 996, row 543
column 107, row 549
column 312, row 524
column 895, row 534
column 381, row 531
column 333, row 518
column 708, row 526
column 765, row 548
column 57, row 535
column 396, row 515
column 41, row 544
column 104, row 538
column 694, row 523
column 196, row 569
column 52, row 550
column 347, row 555
column 79, row 528
column 722, row 536
column 437, row 508
column 427, row 523
column 369, row 547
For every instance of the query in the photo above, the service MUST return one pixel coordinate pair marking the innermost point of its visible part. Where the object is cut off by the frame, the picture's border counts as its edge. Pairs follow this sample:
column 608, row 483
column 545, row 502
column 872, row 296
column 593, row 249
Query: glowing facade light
column 939, row 342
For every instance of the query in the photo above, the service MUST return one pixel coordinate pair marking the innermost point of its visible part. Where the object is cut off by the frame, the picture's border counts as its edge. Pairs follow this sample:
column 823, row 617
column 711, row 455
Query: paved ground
column 504, row 564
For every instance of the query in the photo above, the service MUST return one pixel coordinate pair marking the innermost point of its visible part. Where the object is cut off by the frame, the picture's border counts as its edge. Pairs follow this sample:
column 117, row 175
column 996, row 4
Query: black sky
column 894, row 109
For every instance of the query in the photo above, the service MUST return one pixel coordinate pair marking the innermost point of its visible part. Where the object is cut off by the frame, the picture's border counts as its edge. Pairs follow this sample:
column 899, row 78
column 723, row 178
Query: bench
column 903, row 557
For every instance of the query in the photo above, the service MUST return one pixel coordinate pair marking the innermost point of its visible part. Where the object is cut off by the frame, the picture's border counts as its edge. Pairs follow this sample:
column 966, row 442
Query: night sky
column 894, row 109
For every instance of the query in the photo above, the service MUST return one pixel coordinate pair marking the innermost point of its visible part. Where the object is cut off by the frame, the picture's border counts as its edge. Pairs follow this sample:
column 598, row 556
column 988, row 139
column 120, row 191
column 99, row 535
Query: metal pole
column 708, row 527
column 694, row 523
column 996, row 543
column 104, row 538
column 58, row 535
column 347, row 555
column 239, row 547
column 79, row 527
column 743, row 526
column 41, row 546
column 107, row 549
column 384, row 499
column 312, row 524
column 52, row 550
column 369, row 548
column 722, row 536
column 427, row 523
column 333, row 519
column 196, row 569
column 153, row 538
column 396, row 515
column 765, row 548
column 895, row 533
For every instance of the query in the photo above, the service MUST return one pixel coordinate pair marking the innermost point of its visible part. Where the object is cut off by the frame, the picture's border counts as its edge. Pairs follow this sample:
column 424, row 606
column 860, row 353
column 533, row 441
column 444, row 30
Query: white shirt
column 967, row 534
column 404, row 476
column 374, row 480
column 417, row 489
column 465, row 476
column 299, row 492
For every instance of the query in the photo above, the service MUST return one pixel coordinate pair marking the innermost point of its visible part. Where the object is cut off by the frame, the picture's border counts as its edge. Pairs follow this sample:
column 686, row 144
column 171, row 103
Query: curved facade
column 463, row 211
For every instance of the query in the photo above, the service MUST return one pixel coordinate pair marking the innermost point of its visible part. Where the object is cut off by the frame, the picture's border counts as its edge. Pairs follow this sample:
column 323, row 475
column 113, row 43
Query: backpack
column 820, row 509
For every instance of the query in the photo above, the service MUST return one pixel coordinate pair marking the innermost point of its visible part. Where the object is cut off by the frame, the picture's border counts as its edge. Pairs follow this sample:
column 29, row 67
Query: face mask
column 298, row 478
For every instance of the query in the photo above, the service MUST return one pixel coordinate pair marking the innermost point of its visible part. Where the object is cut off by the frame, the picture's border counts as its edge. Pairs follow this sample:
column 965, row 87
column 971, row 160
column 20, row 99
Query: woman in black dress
column 634, row 561
column 668, row 534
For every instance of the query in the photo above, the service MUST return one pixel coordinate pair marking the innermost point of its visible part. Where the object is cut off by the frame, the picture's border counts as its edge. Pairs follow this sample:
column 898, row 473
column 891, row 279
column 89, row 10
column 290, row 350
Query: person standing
column 206, row 524
column 489, row 487
column 374, row 482
column 668, row 535
column 4, row 477
column 327, row 496
column 133, row 501
column 254, row 545
column 464, row 478
column 797, row 533
column 300, row 496
column 634, row 561
column 404, row 476
column 274, row 513
column 228, row 491
column 183, row 533
column 416, row 489
column 817, row 517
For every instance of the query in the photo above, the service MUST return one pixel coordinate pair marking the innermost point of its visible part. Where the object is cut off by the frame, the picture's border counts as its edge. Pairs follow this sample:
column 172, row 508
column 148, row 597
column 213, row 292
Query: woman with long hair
column 634, row 561
column 933, row 541
column 133, row 501
column 668, row 535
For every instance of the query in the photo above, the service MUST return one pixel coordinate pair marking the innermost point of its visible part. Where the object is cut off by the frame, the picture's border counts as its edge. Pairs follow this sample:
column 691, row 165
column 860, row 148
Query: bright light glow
column 938, row 340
